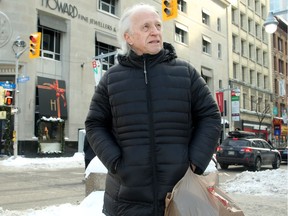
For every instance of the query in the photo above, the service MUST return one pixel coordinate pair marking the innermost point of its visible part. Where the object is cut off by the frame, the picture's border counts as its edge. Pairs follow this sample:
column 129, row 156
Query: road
column 20, row 190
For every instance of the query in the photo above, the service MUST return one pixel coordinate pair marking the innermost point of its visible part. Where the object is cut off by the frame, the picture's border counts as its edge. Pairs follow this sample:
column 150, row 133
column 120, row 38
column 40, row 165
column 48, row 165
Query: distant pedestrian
column 89, row 154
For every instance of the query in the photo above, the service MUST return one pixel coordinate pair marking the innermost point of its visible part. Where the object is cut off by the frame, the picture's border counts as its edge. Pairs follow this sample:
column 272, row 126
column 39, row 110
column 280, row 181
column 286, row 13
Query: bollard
column 95, row 182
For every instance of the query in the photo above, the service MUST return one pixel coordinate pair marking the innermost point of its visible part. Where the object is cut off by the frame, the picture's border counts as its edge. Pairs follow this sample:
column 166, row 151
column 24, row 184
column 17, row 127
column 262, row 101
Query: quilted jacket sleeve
column 206, row 123
column 98, row 127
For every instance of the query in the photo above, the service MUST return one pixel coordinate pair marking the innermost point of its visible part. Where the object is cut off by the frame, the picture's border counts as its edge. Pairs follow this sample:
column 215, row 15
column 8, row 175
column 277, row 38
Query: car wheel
column 223, row 166
column 257, row 164
column 276, row 163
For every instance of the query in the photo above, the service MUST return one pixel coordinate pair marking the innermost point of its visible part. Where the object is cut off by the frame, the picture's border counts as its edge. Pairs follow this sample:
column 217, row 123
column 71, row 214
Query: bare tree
column 261, row 113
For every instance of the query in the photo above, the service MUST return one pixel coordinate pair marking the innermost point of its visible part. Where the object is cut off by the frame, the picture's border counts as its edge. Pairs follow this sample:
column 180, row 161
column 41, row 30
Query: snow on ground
column 267, row 182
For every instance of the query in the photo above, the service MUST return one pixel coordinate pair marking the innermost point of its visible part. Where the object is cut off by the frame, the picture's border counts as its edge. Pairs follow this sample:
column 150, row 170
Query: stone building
column 55, row 89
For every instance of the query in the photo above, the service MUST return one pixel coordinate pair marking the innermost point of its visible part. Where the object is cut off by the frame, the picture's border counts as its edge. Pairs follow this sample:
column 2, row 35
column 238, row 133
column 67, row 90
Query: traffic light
column 8, row 97
column 35, row 43
column 169, row 9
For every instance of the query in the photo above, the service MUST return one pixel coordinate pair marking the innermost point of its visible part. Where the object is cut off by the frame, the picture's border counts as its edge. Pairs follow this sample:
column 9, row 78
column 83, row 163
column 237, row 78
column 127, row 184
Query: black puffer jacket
column 149, row 118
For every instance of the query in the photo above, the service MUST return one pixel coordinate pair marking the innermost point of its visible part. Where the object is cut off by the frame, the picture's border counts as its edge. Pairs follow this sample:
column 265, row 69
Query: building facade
column 280, row 84
column 55, row 89
column 250, row 65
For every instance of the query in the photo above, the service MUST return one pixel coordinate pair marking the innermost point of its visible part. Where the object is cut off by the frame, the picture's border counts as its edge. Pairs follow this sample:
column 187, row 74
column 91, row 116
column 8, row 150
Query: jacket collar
column 166, row 54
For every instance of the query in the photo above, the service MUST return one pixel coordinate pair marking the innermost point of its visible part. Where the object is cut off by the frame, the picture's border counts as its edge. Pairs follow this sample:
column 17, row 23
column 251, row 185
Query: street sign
column 235, row 105
column 7, row 85
column 23, row 79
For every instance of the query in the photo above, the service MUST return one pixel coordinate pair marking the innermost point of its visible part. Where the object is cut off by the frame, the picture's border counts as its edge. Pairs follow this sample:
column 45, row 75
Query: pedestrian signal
column 35, row 43
column 8, row 97
column 169, row 9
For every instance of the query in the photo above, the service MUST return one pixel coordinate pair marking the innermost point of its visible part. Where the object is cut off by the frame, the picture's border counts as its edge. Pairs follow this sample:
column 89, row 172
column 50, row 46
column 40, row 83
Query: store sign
column 235, row 105
column 96, row 64
column 62, row 7
column 72, row 11
column 52, row 97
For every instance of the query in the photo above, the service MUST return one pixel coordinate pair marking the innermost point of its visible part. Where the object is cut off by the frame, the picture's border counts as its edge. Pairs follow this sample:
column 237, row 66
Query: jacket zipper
column 145, row 72
column 152, row 141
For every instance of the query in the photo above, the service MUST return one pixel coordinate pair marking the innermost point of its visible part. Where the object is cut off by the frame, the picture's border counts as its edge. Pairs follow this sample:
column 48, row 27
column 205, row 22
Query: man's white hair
column 125, row 24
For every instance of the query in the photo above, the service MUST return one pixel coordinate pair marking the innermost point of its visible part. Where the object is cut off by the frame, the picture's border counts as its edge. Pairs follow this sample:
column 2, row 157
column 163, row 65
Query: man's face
column 145, row 35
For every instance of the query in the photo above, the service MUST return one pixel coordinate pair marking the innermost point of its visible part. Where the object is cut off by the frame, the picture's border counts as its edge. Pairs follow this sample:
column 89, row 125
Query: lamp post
column 18, row 47
column 271, row 22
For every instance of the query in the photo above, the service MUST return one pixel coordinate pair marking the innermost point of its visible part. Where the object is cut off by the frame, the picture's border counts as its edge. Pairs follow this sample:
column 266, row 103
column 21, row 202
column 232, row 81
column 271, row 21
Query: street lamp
column 18, row 47
column 271, row 22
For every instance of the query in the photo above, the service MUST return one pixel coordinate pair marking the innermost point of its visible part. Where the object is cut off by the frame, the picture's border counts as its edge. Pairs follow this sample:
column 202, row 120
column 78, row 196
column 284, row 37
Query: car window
column 238, row 142
column 257, row 144
column 266, row 145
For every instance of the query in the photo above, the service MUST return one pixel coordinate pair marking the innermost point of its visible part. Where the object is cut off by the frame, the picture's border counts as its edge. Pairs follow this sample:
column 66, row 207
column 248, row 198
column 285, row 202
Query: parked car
column 283, row 152
column 244, row 148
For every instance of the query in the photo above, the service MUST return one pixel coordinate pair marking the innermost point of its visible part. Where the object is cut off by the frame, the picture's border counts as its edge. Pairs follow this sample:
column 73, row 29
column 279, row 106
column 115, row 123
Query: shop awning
column 107, row 39
column 53, row 22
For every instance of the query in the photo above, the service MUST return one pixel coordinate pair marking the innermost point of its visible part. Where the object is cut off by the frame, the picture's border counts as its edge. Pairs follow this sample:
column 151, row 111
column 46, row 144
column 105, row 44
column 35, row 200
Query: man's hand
column 193, row 167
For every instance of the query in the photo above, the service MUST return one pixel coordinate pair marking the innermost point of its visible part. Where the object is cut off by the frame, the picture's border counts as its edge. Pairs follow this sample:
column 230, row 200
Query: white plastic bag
column 196, row 195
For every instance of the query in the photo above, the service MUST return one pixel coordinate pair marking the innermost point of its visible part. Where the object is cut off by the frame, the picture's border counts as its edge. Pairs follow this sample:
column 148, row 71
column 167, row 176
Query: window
column 265, row 82
column 219, row 51
column 244, row 101
column 280, row 45
column 235, row 70
column 250, row 4
column 252, row 103
column 181, row 34
column 50, row 43
column 251, row 51
column 235, row 43
column 266, row 104
column 108, row 5
column 182, row 6
column 258, row 31
column 276, row 86
column 220, row 85
column 205, row 18
column 257, row 6
column 102, row 48
column 280, row 66
column 258, row 79
column 207, row 75
column 251, row 77
column 263, row 12
column 243, row 47
column 235, row 16
column 265, row 59
column 258, row 55
column 243, row 23
column 244, row 71
column 206, row 45
column 251, row 26
column 219, row 24
column 264, row 35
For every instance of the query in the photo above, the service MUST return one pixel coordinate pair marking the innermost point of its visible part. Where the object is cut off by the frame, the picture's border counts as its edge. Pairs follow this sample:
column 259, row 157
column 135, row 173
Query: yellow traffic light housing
column 35, row 43
column 169, row 9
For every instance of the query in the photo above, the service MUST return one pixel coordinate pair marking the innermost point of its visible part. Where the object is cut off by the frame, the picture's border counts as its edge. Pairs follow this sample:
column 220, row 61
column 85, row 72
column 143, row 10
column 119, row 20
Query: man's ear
column 128, row 38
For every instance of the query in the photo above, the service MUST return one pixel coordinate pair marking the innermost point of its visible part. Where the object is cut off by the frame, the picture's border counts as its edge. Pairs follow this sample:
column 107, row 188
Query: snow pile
column 268, row 182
